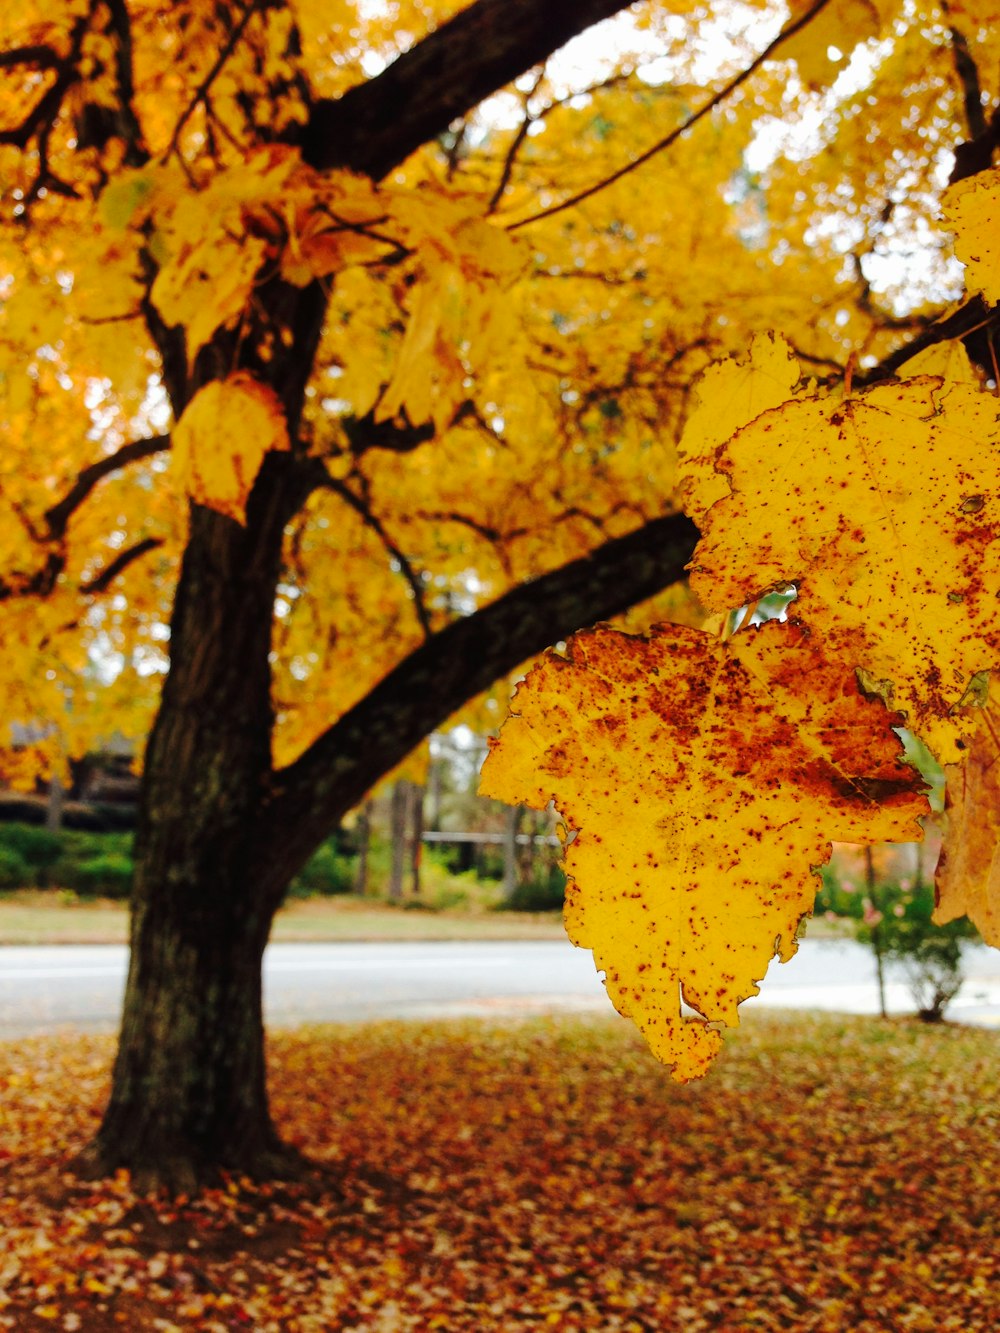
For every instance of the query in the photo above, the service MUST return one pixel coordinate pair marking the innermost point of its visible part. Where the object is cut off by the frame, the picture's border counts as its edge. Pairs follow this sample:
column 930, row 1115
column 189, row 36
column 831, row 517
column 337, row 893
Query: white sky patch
column 802, row 139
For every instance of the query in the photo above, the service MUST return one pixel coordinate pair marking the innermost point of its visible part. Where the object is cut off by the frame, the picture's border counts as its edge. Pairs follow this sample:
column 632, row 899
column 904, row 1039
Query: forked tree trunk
column 189, row 1089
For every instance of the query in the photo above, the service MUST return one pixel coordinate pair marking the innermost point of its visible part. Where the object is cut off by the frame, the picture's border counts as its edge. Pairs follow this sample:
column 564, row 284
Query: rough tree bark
column 220, row 833
column 188, row 1092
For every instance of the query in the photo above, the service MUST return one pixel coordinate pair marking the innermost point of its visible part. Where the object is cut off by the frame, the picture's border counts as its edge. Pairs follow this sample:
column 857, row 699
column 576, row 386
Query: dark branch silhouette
column 57, row 516
column 376, row 125
column 453, row 666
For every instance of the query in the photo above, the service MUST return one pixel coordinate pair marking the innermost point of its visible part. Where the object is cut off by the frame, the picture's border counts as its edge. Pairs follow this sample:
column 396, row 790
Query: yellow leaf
column 821, row 46
column 428, row 372
column 220, row 442
column 971, row 208
column 332, row 221
column 950, row 360
column 730, row 394
column 207, row 285
column 883, row 511
column 210, row 258
column 702, row 786
column 967, row 882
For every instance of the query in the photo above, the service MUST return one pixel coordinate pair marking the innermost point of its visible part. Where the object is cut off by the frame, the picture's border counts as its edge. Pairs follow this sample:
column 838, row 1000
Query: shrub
column 37, row 847
column 108, row 875
column 327, row 871
column 932, row 958
column 81, row 845
column 543, row 893
column 897, row 924
column 14, row 871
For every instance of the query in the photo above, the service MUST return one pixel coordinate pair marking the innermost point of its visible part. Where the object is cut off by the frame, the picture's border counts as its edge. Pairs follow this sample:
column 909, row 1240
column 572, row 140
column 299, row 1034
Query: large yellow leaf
column 883, row 510
column 968, row 874
column 730, row 394
column 971, row 208
column 702, row 785
column 332, row 220
column 220, row 442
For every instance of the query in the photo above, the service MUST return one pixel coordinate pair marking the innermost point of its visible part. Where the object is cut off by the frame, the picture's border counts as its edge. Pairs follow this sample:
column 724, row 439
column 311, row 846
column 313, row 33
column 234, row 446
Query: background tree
column 348, row 354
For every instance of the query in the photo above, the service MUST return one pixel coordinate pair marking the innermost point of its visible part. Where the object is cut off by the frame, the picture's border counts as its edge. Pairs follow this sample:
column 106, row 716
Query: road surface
column 49, row 988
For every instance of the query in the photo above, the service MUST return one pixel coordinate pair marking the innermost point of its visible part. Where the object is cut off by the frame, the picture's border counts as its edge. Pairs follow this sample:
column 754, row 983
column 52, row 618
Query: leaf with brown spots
column 970, row 206
column 884, row 510
column 220, row 442
column 730, row 393
column 967, row 882
column 702, row 784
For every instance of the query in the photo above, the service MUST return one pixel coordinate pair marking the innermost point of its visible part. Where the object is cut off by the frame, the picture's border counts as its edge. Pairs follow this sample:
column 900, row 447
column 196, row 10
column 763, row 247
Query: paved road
column 50, row 988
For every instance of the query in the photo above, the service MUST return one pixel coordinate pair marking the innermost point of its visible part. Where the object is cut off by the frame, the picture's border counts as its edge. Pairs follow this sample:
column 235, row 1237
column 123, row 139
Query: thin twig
column 100, row 582
column 405, row 568
column 789, row 31
column 201, row 91
column 515, row 146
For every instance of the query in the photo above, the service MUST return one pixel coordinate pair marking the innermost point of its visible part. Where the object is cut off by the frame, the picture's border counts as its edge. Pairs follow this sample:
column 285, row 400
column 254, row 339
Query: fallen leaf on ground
column 834, row 1173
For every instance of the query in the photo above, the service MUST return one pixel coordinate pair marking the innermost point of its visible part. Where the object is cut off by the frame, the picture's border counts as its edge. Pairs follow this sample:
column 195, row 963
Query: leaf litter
column 833, row 1173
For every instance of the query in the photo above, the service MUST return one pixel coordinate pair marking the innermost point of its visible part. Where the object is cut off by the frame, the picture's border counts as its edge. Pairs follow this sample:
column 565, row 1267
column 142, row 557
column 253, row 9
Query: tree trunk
column 189, row 1091
column 878, row 944
column 397, row 839
column 511, row 826
column 364, row 843
column 416, row 835
column 56, row 804
column 436, row 776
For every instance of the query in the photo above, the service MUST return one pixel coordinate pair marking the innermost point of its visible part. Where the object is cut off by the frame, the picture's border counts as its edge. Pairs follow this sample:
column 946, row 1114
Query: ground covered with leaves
column 828, row 1174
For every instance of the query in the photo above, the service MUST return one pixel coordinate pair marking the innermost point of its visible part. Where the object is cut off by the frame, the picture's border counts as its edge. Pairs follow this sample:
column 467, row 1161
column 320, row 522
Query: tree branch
column 377, row 124
column 57, row 516
column 47, row 107
column 127, row 120
column 201, row 92
column 394, row 552
column 100, row 582
column 688, row 123
column 313, row 794
column 976, row 153
column 975, row 322
column 399, row 435
column 968, row 75
column 36, row 57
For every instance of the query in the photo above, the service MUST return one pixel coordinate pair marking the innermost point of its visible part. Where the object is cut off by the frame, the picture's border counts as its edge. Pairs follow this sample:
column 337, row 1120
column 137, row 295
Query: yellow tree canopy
column 454, row 289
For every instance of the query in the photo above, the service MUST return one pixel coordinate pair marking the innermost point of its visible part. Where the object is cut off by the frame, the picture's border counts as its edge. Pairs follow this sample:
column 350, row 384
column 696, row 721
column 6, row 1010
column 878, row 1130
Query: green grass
column 31, row 916
column 52, row 916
